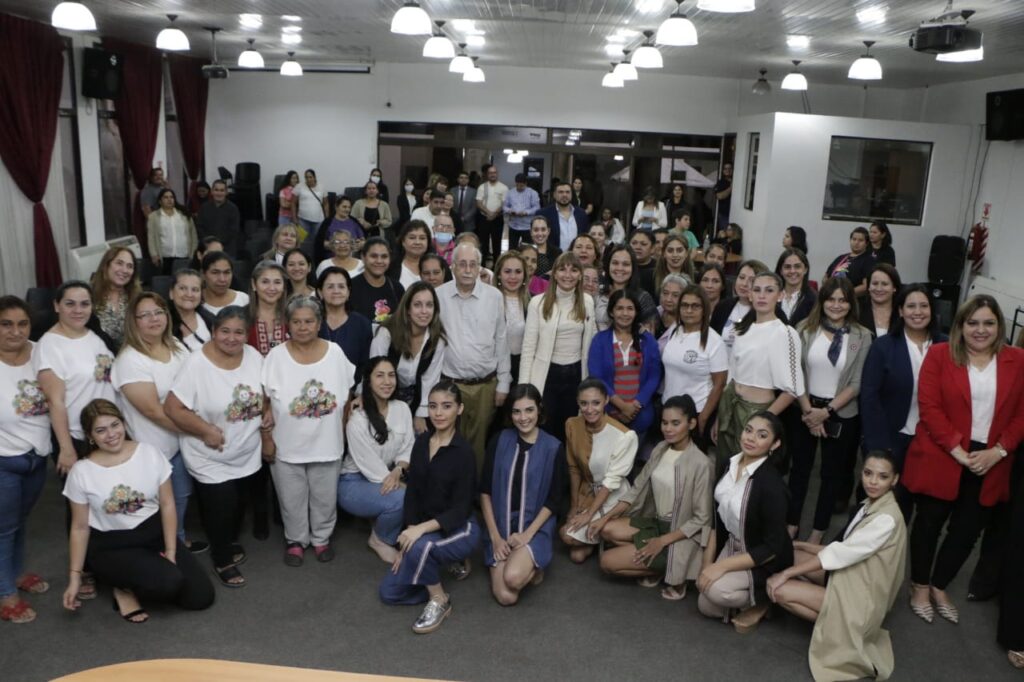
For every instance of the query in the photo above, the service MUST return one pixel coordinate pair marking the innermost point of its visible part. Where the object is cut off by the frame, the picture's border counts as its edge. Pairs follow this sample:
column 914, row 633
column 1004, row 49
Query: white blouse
column 569, row 332
column 84, row 365
column 858, row 543
column 822, row 375
column 663, row 484
column 983, row 400
column 24, row 414
column 688, row 367
column 241, row 299
column 123, row 496
column 133, row 367
column 768, row 356
column 739, row 311
column 368, row 457
column 407, row 367
column 515, row 324
column 916, row 359
column 729, row 493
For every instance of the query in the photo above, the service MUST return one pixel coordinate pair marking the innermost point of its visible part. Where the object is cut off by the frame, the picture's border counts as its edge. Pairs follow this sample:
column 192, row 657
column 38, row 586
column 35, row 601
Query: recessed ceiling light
column 613, row 49
column 291, row 29
column 475, row 41
column 962, row 56
column 871, row 15
column 649, row 6
column 619, row 157
column 616, row 38
column 798, row 41
column 291, row 38
column 463, row 25
column 291, row 17
column 250, row 20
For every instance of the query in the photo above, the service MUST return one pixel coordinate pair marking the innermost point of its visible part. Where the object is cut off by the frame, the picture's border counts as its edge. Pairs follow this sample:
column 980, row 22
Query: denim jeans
column 21, row 482
column 362, row 498
column 181, row 483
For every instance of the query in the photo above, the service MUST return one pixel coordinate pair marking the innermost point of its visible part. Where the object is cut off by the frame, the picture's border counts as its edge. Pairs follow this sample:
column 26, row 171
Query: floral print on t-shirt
column 381, row 311
column 245, row 404
column 314, row 402
column 124, row 500
column 104, row 363
column 29, row 401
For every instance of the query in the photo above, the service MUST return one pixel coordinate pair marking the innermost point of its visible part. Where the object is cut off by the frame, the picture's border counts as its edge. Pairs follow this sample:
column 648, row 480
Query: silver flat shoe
column 432, row 617
column 459, row 570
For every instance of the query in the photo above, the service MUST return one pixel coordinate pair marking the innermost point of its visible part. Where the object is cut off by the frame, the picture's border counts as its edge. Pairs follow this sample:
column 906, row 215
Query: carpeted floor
column 577, row 625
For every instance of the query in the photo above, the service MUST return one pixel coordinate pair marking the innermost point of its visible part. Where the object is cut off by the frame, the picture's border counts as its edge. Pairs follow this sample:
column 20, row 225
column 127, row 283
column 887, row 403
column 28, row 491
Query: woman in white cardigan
column 559, row 328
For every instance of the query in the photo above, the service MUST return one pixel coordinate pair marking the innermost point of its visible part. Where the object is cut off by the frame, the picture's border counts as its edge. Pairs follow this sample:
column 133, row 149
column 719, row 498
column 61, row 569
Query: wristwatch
column 831, row 411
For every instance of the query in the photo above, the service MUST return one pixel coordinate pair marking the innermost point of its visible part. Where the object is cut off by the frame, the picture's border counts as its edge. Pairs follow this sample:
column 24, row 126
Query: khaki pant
column 477, row 412
column 728, row 593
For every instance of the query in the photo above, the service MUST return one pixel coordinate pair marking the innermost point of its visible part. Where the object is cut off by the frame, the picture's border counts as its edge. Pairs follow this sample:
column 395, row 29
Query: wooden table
column 208, row 670
column 698, row 257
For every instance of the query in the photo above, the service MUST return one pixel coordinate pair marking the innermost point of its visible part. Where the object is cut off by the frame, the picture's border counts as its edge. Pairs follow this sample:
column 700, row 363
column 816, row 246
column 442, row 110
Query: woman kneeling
column 668, row 508
column 865, row 571
column 520, row 492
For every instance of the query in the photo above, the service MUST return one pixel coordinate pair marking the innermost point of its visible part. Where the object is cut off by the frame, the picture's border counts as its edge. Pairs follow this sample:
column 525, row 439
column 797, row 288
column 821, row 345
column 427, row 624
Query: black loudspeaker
column 946, row 262
column 247, row 173
column 947, row 299
column 101, row 74
column 1004, row 115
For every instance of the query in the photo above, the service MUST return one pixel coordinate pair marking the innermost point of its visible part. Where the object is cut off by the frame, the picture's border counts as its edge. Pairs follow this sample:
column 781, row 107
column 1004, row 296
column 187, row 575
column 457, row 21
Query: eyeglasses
column 467, row 264
column 691, row 306
column 150, row 314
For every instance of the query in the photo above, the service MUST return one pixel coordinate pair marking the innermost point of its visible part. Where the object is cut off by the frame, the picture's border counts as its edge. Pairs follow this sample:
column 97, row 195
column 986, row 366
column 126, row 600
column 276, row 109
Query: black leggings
column 560, row 396
column 966, row 516
column 835, row 464
column 221, row 508
column 130, row 560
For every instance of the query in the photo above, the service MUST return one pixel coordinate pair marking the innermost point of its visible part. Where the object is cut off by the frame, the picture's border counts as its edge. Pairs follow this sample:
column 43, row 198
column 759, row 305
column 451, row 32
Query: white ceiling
column 572, row 33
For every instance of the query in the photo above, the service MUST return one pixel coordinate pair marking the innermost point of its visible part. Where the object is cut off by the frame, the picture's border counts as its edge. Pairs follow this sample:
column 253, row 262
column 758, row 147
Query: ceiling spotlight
column 250, row 59
column 962, row 56
column 866, row 68
column 291, row 29
column 647, row 56
column 252, row 21
column 798, row 42
column 475, row 40
column 677, row 30
column 731, row 6
column 73, row 16
column 610, row 80
column 411, row 20
column 508, row 152
column 871, row 15
column 291, row 17
column 461, row 63
column 761, row 85
column 619, row 157
column 290, row 67
column 794, row 80
column 171, row 38
column 626, row 71
column 439, row 46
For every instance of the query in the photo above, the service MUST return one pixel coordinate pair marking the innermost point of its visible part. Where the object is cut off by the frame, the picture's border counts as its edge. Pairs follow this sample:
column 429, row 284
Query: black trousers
column 835, row 464
column 489, row 232
column 560, row 397
column 1011, row 598
column 130, row 560
column 221, row 507
column 516, row 236
column 966, row 516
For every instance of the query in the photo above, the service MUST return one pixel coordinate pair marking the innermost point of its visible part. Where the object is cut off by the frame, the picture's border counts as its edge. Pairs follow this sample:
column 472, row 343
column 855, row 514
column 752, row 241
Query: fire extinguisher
column 976, row 246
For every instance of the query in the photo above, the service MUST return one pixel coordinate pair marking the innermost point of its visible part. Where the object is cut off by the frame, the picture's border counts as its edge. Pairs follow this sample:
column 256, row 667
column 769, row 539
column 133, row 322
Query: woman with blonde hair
column 284, row 239
column 266, row 308
column 674, row 260
column 510, row 278
column 559, row 328
column 114, row 284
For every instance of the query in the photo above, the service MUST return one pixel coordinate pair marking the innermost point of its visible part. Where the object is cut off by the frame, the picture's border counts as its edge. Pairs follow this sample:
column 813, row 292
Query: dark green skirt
column 647, row 529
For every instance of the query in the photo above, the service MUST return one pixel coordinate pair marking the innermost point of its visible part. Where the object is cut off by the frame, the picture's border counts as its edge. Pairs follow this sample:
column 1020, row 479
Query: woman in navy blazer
column 636, row 412
column 888, row 387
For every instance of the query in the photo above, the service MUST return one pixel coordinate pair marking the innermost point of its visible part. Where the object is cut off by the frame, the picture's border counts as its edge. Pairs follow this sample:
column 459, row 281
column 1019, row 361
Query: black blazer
column 764, row 530
column 804, row 306
column 867, row 318
column 405, row 210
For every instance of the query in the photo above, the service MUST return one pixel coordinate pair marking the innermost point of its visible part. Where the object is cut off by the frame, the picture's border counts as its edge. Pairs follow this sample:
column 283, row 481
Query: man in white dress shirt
column 490, row 198
column 430, row 212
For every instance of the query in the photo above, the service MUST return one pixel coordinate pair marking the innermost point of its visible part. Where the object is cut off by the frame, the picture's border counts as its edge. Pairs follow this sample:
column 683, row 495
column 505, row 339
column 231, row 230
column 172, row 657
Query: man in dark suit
column 565, row 220
column 465, row 202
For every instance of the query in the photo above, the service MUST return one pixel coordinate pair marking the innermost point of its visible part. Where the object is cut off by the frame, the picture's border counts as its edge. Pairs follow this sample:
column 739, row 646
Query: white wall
column 792, row 191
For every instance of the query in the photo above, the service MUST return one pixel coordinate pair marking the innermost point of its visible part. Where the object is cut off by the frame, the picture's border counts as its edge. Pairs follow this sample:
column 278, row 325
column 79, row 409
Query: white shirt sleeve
column 859, row 545
column 185, row 385
column 363, row 449
column 130, row 368
column 620, row 462
column 73, row 489
column 381, row 342
column 408, row 435
column 50, row 358
column 718, row 357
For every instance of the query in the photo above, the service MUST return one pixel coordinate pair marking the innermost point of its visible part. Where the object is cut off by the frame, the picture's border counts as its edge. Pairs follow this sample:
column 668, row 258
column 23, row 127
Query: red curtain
column 138, row 117
column 191, row 90
column 30, row 82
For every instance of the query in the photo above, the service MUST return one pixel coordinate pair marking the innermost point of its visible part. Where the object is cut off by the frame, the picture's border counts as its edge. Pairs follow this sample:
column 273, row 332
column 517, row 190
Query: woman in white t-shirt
column 380, row 439
column 123, row 521
column 729, row 312
column 217, row 291
column 217, row 402
column 144, row 372
column 340, row 245
column 307, row 381
column 189, row 321
column 24, row 444
column 694, row 357
column 312, row 202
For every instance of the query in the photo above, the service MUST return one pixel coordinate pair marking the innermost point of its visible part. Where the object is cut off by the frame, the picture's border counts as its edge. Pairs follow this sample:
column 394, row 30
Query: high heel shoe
column 923, row 611
column 949, row 612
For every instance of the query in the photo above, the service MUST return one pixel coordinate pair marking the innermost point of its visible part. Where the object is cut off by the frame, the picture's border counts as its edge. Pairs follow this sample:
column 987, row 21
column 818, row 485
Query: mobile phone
column 833, row 429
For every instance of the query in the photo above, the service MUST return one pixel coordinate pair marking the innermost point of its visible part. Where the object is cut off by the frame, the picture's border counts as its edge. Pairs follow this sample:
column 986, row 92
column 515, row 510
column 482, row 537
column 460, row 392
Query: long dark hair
column 805, row 288
column 743, row 326
column 899, row 325
column 606, row 261
column 797, row 238
column 520, row 391
column 399, row 325
column 883, row 227
column 634, row 329
column 378, row 424
column 828, row 287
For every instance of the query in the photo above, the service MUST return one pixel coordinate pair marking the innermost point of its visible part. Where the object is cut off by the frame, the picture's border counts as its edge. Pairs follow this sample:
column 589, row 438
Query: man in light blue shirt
column 520, row 205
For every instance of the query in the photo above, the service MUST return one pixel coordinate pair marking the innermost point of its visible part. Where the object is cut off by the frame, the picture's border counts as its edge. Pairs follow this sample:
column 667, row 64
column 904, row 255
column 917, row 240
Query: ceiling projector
column 215, row 71
column 946, row 33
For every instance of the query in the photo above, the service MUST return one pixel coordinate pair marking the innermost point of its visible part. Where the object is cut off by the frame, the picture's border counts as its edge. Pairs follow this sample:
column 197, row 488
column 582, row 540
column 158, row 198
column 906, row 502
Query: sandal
column 131, row 616
column 293, row 554
column 324, row 553
column 238, row 555
column 674, row 592
column 228, row 573
column 33, row 584
column 22, row 613
column 1016, row 658
column 87, row 590
column 648, row 581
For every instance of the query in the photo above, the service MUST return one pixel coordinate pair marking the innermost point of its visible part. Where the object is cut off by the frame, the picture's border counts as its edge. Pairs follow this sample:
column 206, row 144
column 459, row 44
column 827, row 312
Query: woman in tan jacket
column 668, row 515
column 559, row 328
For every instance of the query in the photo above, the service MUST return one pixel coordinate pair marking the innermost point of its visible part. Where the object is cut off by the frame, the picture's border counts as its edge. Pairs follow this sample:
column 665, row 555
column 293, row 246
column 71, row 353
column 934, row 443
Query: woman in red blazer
column 958, row 464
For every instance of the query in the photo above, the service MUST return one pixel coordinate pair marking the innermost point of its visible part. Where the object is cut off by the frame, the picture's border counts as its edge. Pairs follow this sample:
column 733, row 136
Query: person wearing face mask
column 377, row 178
column 444, row 237
column 408, row 201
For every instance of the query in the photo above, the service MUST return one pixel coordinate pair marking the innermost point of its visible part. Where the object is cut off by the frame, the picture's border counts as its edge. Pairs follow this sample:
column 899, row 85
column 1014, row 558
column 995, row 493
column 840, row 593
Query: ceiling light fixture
column 794, row 80
column 72, row 16
column 626, row 71
column 291, row 29
column 613, row 50
column 439, row 46
column 475, row 40
column 730, row 6
column 572, row 143
column 866, row 68
column 464, row 25
column 798, row 42
column 647, row 56
column 871, row 15
column 460, row 63
column 291, row 38
column 291, row 17
column 253, row 21
column 962, row 56
column 171, row 38
column 677, row 30
column 619, row 157
column 474, row 75
column 508, row 152
column 761, row 85
column 411, row 20
column 250, row 59
column 290, row 67
column 610, row 80
column 649, row 6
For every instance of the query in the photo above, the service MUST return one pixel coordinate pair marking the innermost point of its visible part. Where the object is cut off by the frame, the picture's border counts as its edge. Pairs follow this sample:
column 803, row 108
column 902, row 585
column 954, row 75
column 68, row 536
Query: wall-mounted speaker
column 101, row 73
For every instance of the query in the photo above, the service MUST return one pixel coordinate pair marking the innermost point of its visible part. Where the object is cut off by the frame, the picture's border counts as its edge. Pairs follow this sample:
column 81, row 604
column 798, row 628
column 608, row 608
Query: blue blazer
column 550, row 212
column 886, row 389
column 601, row 365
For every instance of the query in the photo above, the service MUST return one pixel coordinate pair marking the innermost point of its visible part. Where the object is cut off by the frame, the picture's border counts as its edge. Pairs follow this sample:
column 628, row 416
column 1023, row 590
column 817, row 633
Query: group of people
column 580, row 393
